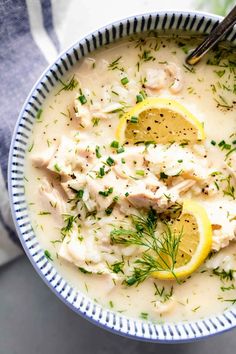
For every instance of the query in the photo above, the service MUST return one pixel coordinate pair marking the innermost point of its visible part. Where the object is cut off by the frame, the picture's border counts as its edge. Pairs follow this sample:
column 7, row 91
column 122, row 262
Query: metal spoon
column 223, row 27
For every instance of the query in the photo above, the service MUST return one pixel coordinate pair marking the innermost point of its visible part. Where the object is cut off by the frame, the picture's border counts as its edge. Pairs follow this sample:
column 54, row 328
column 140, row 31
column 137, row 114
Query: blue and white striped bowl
column 79, row 302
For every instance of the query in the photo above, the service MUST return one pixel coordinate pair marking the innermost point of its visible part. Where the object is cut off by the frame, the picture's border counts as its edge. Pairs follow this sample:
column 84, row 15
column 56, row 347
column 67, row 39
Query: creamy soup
column 93, row 198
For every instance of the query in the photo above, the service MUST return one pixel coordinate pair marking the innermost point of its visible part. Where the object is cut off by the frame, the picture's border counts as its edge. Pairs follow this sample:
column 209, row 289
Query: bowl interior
column 143, row 330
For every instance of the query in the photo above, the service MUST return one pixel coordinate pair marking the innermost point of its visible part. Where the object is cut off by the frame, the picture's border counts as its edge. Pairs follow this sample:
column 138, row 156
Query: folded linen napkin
column 25, row 28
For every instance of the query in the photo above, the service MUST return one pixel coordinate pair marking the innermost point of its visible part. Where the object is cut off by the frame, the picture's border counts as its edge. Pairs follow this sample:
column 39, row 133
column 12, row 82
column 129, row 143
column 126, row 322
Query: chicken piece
column 133, row 160
column 71, row 158
column 83, row 115
column 81, row 250
column 97, row 112
column 176, row 77
column 222, row 261
column 160, row 200
column 221, row 214
column 42, row 159
column 156, row 79
column 160, row 159
column 182, row 187
column 52, row 201
column 222, row 238
column 111, row 107
column 74, row 185
column 103, row 190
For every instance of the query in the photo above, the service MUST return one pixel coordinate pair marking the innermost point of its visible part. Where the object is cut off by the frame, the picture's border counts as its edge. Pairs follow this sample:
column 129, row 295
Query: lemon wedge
column 159, row 120
column 195, row 241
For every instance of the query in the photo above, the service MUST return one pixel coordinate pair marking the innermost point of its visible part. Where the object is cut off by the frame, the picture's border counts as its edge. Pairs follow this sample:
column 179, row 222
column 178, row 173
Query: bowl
column 80, row 303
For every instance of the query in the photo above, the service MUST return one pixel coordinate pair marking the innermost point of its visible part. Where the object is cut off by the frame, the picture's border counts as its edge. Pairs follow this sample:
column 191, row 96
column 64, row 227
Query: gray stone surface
column 34, row 321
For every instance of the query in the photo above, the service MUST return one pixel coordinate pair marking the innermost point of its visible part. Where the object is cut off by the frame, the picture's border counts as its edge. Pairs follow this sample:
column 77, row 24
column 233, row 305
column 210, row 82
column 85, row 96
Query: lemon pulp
column 159, row 120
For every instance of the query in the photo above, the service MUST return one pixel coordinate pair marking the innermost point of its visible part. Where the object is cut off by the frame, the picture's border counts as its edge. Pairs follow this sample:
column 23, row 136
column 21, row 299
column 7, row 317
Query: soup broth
column 83, row 185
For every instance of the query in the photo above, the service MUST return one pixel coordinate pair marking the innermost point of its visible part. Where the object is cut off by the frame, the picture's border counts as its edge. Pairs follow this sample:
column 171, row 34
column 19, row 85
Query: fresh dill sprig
column 160, row 253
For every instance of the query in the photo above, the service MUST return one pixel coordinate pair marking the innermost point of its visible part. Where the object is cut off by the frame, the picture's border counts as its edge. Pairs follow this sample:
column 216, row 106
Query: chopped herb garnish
column 82, row 99
column 220, row 73
column 97, row 151
column 189, row 69
column 120, row 150
column 101, row 172
column 146, row 56
column 213, row 142
column 126, row 194
column 226, row 288
column 223, row 274
column 57, row 168
column 106, row 192
column 111, row 304
column 44, row 213
column 109, row 210
column 69, row 221
column 115, row 65
column 110, row 161
column 83, row 270
column 230, row 152
column 196, row 308
column 95, row 121
column 140, row 172
column 114, row 144
column 30, row 148
column 139, row 98
column 163, row 293
column 68, row 86
column 117, row 267
column 134, row 119
column 144, row 315
column 229, row 190
column 124, row 81
column 163, row 175
column 48, row 255
column 39, row 114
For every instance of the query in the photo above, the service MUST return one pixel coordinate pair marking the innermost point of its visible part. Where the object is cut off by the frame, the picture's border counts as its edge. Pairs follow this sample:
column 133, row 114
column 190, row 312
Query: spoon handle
column 223, row 27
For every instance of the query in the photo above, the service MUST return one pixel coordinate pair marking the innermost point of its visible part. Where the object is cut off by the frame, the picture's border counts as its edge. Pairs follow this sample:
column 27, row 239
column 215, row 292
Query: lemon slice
column 159, row 120
column 195, row 242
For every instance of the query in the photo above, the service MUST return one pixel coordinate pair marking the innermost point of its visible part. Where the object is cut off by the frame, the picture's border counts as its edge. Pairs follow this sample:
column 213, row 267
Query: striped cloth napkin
column 32, row 33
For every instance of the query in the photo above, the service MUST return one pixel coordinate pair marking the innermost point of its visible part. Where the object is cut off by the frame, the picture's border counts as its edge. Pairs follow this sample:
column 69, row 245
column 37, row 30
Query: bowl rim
column 179, row 339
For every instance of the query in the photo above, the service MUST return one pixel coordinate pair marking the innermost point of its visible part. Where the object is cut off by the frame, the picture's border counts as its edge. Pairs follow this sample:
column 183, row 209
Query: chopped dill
column 30, row 148
column 39, row 115
column 229, row 190
column 70, row 85
column 69, row 222
column 223, row 274
column 47, row 254
column 115, row 65
column 163, row 293
column 44, row 213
